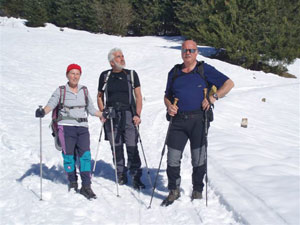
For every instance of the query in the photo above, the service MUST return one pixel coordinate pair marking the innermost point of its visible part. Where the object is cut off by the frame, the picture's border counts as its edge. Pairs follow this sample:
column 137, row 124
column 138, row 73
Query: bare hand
column 206, row 104
column 102, row 119
column 172, row 110
column 136, row 120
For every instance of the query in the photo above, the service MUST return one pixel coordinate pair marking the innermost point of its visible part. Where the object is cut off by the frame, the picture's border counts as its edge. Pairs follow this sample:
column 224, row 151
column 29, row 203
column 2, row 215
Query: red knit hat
column 73, row 66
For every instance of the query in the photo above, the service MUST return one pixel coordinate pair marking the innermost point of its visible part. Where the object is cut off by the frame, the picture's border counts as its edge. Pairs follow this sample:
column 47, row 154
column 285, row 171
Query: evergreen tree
column 60, row 12
column 167, row 18
column 35, row 12
column 14, row 8
column 252, row 32
column 154, row 17
column 75, row 14
column 114, row 17
column 283, row 40
column 146, row 20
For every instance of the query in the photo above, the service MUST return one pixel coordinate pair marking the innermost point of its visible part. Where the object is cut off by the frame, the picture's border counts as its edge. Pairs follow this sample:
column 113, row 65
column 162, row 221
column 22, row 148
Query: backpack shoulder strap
column 132, row 84
column 131, row 94
column 106, row 77
column 104, row 88
column 62, row 96
column 130, row 81
column 200, row 71
column 86, row 95
column 176, row 70
column 132, row 78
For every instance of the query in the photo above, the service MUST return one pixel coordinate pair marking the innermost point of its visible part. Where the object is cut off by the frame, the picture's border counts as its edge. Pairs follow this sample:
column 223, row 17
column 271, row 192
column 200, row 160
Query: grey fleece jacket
column 72, row 100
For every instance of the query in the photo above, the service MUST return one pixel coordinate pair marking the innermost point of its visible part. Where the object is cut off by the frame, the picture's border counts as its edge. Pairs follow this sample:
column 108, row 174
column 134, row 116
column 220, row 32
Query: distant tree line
column 251, row 33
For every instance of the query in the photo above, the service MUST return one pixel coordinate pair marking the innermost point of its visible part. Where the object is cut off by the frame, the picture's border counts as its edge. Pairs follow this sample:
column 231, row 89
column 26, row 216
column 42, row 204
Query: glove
column 40, row 113
column 106, row 114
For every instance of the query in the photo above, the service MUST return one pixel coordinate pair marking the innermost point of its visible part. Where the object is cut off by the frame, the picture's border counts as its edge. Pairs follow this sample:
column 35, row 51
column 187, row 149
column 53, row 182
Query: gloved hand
column 107, row 114
column 40, row 113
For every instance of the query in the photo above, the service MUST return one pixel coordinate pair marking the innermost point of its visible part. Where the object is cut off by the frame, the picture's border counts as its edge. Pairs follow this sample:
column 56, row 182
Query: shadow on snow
column 55, row 174
column 104, row 170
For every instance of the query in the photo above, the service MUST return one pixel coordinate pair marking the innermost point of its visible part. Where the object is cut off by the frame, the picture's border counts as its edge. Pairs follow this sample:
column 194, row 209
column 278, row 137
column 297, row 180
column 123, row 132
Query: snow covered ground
column 253, row 172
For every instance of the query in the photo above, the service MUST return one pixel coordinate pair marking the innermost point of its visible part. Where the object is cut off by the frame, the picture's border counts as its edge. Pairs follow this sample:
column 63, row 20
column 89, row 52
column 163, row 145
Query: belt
column 119, row 106
column 190, row 114
column 79, row 120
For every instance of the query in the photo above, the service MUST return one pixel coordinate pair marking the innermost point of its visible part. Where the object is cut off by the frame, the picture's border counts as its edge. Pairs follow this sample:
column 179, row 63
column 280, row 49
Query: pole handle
column 205, row 92
column 175, row 101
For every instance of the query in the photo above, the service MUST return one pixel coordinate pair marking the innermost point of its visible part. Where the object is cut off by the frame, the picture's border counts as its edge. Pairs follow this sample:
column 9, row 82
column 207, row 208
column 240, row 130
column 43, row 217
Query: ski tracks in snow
column 267, row 212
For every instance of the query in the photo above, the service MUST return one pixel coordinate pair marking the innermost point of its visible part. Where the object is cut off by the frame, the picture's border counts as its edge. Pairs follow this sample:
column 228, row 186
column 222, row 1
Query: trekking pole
column 41, row 158
column 148, row 173
column 162, row 154
column 114, row 148
column 93, row 172
column 206, row 131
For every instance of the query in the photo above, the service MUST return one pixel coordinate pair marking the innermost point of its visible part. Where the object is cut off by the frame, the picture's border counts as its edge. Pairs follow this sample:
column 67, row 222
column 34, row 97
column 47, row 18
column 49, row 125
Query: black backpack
column 199, row 70
column 131, row 95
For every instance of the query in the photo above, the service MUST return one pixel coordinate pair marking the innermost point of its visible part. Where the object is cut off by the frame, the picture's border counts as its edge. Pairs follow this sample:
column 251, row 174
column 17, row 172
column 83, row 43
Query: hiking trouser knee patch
column 174, row 157
column 69, row 163
column 85, row 162
column 198, row 156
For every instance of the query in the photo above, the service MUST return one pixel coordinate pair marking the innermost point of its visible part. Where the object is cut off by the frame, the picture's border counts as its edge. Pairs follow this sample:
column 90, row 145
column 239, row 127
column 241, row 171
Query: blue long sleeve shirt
column 188, row 87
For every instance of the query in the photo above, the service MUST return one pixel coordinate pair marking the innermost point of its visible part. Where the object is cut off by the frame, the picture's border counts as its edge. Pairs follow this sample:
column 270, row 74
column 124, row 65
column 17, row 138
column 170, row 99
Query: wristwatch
column 215, row 95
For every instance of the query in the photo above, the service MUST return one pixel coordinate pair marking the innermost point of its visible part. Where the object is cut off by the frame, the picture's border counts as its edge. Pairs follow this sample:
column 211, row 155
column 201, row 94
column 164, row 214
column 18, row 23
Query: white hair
column 112, row 52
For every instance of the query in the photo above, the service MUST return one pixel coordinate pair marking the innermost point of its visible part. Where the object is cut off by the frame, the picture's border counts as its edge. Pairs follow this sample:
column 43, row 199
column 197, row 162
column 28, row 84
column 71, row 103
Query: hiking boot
column 173, row 195
column 137, row 184
column 122, row 179
column 87, row 192
column 73, row 185
column 196, row 195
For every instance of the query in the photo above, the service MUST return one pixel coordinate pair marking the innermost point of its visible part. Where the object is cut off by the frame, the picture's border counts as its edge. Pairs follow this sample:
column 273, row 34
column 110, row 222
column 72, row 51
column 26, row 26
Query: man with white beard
column 119, row 90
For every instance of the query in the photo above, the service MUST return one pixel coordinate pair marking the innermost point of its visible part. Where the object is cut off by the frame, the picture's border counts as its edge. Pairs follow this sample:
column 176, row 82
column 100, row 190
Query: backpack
column 56, row 114
column 130, row 80
column 200, row 71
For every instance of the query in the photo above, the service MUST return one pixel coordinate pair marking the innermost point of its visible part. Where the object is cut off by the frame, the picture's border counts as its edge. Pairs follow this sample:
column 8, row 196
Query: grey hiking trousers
column 125, row 133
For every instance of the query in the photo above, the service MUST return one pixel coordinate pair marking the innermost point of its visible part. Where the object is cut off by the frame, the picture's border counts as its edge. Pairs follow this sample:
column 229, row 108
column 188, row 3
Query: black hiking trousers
column 184, row 127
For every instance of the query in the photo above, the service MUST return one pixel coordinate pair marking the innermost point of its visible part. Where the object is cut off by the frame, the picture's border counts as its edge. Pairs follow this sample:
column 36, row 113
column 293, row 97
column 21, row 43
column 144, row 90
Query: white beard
column 119, row 66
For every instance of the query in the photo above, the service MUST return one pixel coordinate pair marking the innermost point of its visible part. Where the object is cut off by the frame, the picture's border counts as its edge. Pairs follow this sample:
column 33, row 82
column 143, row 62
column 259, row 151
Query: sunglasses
column 185, row 50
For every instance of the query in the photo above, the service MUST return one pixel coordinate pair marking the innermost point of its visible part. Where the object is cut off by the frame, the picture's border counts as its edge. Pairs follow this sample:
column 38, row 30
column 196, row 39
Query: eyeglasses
column 185, row 50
